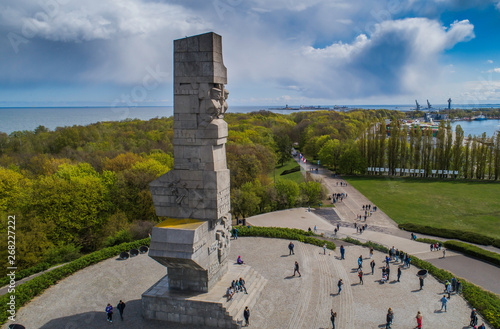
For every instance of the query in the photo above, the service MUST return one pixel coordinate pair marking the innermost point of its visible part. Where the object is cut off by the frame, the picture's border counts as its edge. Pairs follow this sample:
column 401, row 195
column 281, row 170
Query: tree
column 330, row 153
column 245, row 201
column 283, row 148
column 458, row 148
column 351, row 162
column 287, row 192
column 312, row 191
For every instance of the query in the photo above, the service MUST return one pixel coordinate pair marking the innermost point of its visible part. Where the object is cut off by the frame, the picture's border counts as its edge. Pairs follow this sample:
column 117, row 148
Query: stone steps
column 255, row 284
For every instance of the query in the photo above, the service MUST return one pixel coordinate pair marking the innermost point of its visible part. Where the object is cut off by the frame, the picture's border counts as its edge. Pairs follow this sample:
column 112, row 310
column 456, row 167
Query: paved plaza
column 287, row 301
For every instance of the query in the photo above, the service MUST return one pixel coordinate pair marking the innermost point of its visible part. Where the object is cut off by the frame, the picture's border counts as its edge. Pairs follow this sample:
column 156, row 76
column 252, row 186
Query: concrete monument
column 193, row 242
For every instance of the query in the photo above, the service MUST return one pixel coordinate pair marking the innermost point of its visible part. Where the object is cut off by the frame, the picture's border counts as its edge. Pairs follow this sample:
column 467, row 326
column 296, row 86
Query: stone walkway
column 383, row 230
column 287, row 301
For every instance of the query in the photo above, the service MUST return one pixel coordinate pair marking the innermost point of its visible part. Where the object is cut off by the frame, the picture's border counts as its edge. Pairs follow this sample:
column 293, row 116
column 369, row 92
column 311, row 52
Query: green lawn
column 295, row 176
column 469, row 206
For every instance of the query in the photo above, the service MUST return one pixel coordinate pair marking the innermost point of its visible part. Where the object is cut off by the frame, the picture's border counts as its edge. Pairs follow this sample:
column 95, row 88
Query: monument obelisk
column 193, row 240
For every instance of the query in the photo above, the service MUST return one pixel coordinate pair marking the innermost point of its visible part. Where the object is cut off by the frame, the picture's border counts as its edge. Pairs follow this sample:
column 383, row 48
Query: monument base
column 209, row 309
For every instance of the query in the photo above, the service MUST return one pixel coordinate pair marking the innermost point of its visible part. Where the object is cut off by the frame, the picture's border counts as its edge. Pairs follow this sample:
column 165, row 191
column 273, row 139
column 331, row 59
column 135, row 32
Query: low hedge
column 450, row 234
column 284, row 233
column 34, row 287
column 485, row 302
column 473, row 251
column 429, row 241
column 368, row 244
column 26, row 273
column 289, row 171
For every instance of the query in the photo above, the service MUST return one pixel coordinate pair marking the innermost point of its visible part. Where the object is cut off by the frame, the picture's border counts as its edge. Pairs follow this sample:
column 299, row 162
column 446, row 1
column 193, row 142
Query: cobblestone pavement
column 287, row 302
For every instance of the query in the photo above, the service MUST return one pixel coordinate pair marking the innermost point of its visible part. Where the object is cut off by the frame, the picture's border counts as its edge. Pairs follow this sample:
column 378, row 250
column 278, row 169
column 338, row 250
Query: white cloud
column 495, row 70
column 489, row 61
column 401, row 56
column 70, row 22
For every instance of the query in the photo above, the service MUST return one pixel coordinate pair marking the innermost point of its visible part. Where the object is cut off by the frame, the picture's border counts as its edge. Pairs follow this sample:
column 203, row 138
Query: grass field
column 469, row 206
column 295, row 176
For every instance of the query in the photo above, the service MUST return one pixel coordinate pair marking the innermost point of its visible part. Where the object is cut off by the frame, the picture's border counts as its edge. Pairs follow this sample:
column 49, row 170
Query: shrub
column 119, row 238
column 289, row 171
column 27, row 291
column 140, row 229
column 473, row 251
column 284, row 233
column 368, row 244
column 448, row 233
column 26, row 272
column 429, row 241
column 62, row 254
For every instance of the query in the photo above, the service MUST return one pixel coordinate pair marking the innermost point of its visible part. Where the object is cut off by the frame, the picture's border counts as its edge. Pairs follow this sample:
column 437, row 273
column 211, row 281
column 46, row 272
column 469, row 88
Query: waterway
column 478, row 127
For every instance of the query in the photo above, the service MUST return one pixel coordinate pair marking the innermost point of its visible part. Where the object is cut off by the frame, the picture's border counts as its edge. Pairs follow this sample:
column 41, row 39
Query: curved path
column 289, row 302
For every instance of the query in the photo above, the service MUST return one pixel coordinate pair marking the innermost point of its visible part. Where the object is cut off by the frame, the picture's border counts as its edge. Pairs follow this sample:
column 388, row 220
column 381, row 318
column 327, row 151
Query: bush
column 368, row 244
column 119, row 238
column 284, row 233
column 429, row 241
column 27, row 291
column 448, row 233
column 140, row 229
column 26, row 272
column 496, row 243
column 62, row 254
column 289, row 171
column 473, row 251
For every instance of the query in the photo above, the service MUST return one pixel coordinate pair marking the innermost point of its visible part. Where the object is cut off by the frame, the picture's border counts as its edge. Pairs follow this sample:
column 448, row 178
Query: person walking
column 290, row 248
column 339, row 284
column 421, row 279
column 360, row 262
column 315, row 229
column 121, row 306
column 448, row 289
column 388, row 272
column 333, row 315
column 109, row 313
column 360, row 274
column 473, row 318
column 399, row 273
column 389, row 317
column 342, row 252
column 444, row 253
column 246, row 315
column 419, row 320
column 371, row 253
column 372, row 265
column 296, row 269
column 324, row 249
column 459, row 286
column 444, row 301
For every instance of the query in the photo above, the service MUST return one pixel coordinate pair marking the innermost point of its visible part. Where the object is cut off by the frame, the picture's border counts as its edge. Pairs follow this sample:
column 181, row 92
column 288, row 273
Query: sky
column 309, row 52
